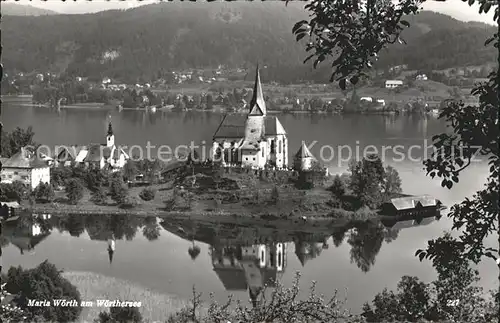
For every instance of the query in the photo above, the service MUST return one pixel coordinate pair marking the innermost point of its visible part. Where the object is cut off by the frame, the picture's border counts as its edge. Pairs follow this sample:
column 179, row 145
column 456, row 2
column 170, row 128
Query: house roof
column 25, row 242
column 10, row 204
column 24, row 159
column 233, row 126
column 232, row 278
column 411, row 202
column 73, row 151
column 304, row 152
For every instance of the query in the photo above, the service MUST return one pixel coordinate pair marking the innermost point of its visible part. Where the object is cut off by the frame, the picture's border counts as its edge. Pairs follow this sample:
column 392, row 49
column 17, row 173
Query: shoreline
column 309, row 220
column 98, row 106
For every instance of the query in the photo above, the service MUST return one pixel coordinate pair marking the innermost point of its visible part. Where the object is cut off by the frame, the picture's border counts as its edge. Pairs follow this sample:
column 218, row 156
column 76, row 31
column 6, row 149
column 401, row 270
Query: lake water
column 164, row 265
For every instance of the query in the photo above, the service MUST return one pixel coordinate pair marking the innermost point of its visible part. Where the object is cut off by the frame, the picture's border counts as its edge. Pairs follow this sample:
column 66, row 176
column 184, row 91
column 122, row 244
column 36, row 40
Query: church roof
column 257, row 103
column 96, row 152
column 24, row 159
column 304, row 152
column 232, row 278
column 233, row 126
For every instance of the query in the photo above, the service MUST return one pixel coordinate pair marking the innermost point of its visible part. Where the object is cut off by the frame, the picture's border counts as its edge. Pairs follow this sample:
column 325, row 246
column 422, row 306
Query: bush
column 120, row 315
column 44, row 192
column 99, row 196
column 43, row 283
column 74, row 190
column 59, row 175
column 16, row 191
column 338, row 187
column 118, row 190
column 283, row 306
column 147, row 194
column 129, row 202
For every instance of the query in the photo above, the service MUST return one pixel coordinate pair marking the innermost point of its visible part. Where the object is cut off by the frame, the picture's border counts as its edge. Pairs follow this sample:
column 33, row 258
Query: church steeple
column 110, row 128
column 110, row 137
column 257, row 103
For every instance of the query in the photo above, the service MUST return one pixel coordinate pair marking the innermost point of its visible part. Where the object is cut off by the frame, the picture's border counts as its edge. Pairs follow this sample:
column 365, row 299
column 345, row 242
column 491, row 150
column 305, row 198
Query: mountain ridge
column 15, row 9
column 147, row 41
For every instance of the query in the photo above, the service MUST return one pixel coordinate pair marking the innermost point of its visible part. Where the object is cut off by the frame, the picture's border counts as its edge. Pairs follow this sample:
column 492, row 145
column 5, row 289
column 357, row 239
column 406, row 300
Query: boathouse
column 415, row 206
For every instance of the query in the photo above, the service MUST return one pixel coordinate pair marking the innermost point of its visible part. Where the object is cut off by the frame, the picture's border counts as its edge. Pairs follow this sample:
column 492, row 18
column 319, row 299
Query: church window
column 273, row 147
column 263, row 153
column 279, row 146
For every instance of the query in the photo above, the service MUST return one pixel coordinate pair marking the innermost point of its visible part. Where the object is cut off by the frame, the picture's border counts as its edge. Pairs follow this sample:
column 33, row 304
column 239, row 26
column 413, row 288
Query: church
column 99, row 156
column 255, row 140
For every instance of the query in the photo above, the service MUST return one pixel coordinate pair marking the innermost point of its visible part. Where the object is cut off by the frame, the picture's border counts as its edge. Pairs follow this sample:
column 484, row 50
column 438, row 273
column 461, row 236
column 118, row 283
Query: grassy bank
column 92, row 286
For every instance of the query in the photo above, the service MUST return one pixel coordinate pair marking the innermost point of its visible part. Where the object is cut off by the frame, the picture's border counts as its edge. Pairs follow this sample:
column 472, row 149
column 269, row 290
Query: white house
column 303, row 159
column 421, row 77
column 106, row 80
column 381, row 102
column 253, row 140
column 26, row 167
column 392, row 84
column 366, row 98
column 95, row 155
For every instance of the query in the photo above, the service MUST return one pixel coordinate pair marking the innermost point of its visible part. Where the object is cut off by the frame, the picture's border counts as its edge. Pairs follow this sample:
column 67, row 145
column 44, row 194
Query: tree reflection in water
column 227, row 241
column 365, row 242
column 151, row 229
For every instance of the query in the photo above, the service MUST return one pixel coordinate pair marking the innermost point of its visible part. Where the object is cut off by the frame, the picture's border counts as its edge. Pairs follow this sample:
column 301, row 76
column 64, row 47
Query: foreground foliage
column 43, row 282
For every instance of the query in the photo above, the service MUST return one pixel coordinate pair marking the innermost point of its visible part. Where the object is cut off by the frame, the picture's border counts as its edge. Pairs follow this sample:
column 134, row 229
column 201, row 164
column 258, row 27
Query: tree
column 16, row 191
column 147, row 194
column 44, row 282
column 275, row 195
column 367, row 177
column 118, row 190
column 99, row 196
column 120, row 315
column 129, row 170
column 59, row 175
column 17, row 139
column 44, row 192
column 338, row 187
column 74, row 190
column 391, row 183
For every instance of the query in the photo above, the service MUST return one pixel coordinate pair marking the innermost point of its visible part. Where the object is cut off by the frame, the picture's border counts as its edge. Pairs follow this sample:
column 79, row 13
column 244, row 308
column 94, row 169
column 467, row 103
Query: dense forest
column 146, row 42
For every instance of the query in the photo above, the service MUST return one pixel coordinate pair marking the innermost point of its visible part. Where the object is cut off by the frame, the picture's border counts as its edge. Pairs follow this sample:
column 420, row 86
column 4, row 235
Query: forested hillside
column 148, row 41
column 14, row 9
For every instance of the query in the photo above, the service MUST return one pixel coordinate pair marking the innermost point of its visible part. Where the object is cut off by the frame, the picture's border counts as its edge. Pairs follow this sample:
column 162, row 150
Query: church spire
column 110, row 128
column 257, row 104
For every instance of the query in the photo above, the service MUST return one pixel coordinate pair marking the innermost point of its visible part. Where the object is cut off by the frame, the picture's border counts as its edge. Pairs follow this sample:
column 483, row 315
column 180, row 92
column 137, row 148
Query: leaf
column 342, row 84
column 300, row 36
column 486, row 7
column 405, row 23
column 298, row 25
column 354, row 80
column 471, row 2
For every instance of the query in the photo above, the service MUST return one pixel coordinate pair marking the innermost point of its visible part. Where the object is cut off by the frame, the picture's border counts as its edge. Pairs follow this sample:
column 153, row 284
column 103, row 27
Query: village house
column 421, row 77
column 254, row 140
column 392, row 84
column 26, row 167
column 99, row 156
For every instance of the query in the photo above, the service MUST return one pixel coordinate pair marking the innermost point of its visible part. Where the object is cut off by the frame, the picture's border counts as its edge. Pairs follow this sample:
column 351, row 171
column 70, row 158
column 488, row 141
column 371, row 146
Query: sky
column 455, row 8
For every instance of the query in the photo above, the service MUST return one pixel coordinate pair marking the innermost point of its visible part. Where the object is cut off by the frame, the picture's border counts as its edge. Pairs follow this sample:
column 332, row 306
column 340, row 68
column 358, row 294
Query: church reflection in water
column 250, row 255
